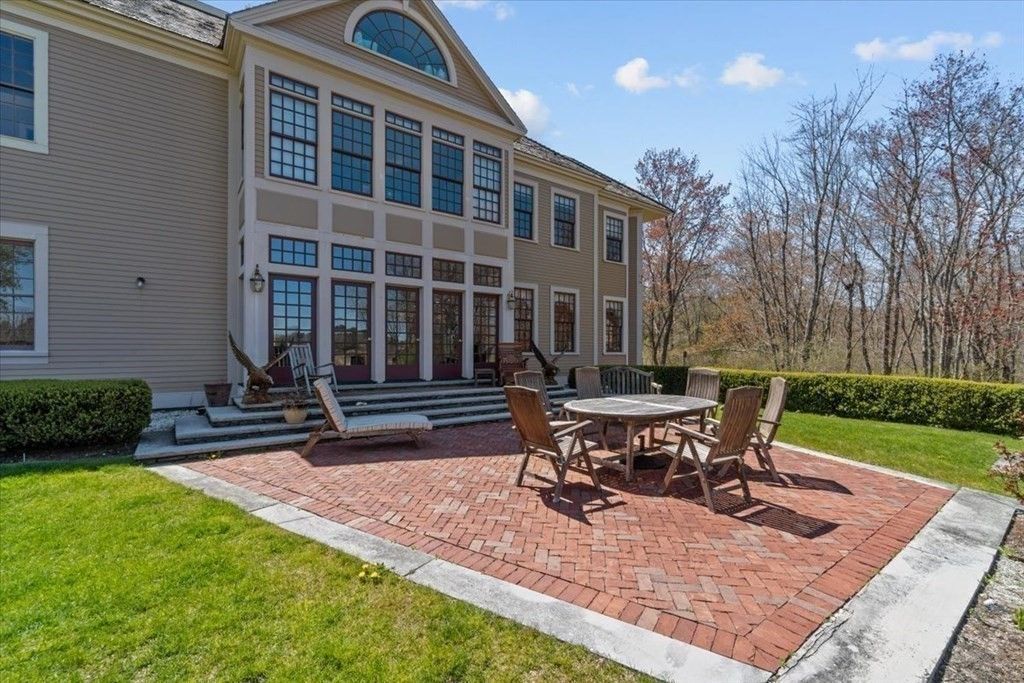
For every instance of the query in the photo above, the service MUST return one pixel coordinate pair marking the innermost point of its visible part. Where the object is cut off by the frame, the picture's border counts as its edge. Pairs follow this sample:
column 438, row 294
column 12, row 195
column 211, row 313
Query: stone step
column 231, row 415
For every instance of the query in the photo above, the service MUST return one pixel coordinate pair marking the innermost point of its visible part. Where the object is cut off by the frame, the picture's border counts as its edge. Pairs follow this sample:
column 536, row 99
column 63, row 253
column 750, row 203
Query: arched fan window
column 399, row 37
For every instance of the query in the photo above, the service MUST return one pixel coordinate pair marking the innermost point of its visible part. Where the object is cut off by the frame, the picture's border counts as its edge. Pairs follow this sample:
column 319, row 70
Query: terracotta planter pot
column 294, row 416
column 217, row 394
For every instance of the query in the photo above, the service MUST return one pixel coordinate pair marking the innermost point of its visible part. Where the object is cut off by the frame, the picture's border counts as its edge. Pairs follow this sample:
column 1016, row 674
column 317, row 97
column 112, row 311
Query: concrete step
column 433, row 393
column 197, row 429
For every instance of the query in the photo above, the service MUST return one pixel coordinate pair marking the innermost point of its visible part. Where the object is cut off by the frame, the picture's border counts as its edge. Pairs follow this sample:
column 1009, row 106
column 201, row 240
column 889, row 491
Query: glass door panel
column 351, row 342
column 447, row 313
column 402, row 329
column 292, row 320
column 485, row 330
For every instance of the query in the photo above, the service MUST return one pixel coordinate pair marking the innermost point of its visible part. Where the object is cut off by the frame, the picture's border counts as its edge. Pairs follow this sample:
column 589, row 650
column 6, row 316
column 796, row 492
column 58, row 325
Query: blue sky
column 715, row 77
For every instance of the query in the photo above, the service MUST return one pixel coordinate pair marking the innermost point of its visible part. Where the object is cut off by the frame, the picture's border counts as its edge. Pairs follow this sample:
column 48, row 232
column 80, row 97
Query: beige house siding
column 547, row 266
column 327, row 27
column 636, row 353
column 135, row 184
column 611, row 282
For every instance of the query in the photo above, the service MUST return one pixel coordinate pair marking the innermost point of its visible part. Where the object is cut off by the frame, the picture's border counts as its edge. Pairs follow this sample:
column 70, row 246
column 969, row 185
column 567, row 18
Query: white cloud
column 530, row 108
column 634, row 77
column 689, row 78
column 922, row 50
column 502, row 10
column 748, row 70
column 577, row 90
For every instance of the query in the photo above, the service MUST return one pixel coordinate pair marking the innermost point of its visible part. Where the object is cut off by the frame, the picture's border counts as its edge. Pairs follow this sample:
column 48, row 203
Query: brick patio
column 750, row 583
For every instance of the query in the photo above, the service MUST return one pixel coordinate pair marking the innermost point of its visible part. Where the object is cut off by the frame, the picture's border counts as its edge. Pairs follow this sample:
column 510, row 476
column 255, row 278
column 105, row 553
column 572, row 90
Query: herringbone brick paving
column 750, row 583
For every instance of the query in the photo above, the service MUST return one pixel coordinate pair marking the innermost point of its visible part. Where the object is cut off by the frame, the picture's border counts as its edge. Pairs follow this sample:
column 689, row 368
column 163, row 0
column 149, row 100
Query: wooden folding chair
column 702, row 383
column 768, row 425
column 705, row 452
column 563, row 448
column 534, row 379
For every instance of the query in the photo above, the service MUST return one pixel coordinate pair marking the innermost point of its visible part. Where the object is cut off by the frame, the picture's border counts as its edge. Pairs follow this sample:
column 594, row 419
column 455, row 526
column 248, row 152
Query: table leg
column 629, row 451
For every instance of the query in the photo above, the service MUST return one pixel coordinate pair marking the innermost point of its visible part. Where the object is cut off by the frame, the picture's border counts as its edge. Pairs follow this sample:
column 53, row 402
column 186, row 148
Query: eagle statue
column 258, row 380
column 549, row 368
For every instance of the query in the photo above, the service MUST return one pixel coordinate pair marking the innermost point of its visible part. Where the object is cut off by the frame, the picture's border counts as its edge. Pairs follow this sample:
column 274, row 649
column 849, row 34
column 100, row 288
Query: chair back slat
column 588, row 382
column 741, row 407
column 623, row 380
column 329, row 404
column 774, row 407
column 703, row 383
column 534, row 379
column 300, row 357
column 529, row 418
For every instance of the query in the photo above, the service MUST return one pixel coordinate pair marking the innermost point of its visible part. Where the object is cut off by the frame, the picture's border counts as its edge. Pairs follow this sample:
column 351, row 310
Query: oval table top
column 639, row 407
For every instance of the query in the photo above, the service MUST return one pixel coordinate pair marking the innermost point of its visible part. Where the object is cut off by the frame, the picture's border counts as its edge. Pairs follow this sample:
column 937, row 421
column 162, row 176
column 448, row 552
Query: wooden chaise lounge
column 337, row 426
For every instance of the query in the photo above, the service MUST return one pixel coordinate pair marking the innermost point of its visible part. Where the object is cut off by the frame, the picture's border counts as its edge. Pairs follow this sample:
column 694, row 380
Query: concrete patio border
column 897, row 627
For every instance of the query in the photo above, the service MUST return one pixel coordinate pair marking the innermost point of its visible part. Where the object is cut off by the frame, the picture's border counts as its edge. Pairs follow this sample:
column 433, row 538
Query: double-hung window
column 486, row 183
column 293, row 129
column 352, row 146
column 614, row 229
column 23, row 87
column 402, row 155
column 565, row 221
column 23, row 291
column 564, row 310
column 614, row 315
column 522, row 206
column 523, row 315
column 447, row 171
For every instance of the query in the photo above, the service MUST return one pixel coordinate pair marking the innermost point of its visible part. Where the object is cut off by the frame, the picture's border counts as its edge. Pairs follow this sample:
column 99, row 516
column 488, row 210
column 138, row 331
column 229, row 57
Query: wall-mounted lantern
column 510, row 299
column 256, row 282
column 140, row 282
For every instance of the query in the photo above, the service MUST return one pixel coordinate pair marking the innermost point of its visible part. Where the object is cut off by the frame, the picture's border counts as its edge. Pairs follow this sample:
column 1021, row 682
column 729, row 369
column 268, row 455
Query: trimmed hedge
column 952, row 403
column 49, row 413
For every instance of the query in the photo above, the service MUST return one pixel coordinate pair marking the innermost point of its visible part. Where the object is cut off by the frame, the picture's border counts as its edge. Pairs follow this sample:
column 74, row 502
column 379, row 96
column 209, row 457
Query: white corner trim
column 40, row 86
column 624, row 333
column 576, row 327
column 39, row 236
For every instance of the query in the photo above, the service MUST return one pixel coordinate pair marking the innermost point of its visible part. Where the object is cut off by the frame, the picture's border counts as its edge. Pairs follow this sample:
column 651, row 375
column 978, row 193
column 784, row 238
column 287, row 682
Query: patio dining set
column 683, row 427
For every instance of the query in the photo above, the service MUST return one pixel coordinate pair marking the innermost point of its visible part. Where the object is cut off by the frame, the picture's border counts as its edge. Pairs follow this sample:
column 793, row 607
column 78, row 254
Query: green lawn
column 108, row 571
column 961, row 458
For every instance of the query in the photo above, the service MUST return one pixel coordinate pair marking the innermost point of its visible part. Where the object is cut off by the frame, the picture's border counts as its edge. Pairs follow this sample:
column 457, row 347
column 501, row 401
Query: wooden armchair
column 532, row 379
column 305, row 369
column 623, row 379
column 702, row 383
column 705, row 452
column 563, row 448
column 510, row 360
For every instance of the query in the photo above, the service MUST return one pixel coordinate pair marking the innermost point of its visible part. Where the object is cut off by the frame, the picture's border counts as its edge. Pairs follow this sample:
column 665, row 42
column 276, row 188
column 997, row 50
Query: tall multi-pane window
column 292, row 252
column 486, row 182
column 17, row 86
column 613, row 232
column 352, row 259
column 447, row 171
column 403, row 265
column 523, row 315
column 351, row 146
column 614, row 312
column 565, row 322
column 402, row 156
column 292, row 313
column 17, row 295
column 522, row 207
column 293, row 129
column 565, row 221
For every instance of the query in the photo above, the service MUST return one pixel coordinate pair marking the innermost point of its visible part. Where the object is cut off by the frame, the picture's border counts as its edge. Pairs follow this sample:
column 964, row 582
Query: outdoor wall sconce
column 510, row 299
column 140, row 282
column 256, row 282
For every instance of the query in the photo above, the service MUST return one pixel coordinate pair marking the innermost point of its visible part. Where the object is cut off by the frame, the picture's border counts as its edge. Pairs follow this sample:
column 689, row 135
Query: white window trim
column 39, row 236
column 536, row 308
column 625, row 242
column 534, row 225
column 571, row 195
column 40, row 86
column 625, row 325
column 576, row 326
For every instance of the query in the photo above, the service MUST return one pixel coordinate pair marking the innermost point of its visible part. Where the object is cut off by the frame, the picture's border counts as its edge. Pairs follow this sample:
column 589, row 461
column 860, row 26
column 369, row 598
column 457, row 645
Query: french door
column 292, row 320
column 351, row 341
column 485, row 330
column 402, row 330
column 447, row 313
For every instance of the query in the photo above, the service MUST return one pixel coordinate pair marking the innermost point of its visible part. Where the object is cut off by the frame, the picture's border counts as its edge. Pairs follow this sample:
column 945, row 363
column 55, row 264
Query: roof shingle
column 193, row 20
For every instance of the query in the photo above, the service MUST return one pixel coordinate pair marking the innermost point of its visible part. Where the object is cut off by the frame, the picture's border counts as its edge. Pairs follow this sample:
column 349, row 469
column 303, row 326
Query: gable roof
column 532, row 148
column 189, row 18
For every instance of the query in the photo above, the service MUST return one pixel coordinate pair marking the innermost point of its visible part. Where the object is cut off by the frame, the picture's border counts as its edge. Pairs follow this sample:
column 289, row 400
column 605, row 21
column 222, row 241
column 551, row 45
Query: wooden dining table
column 635, row 411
